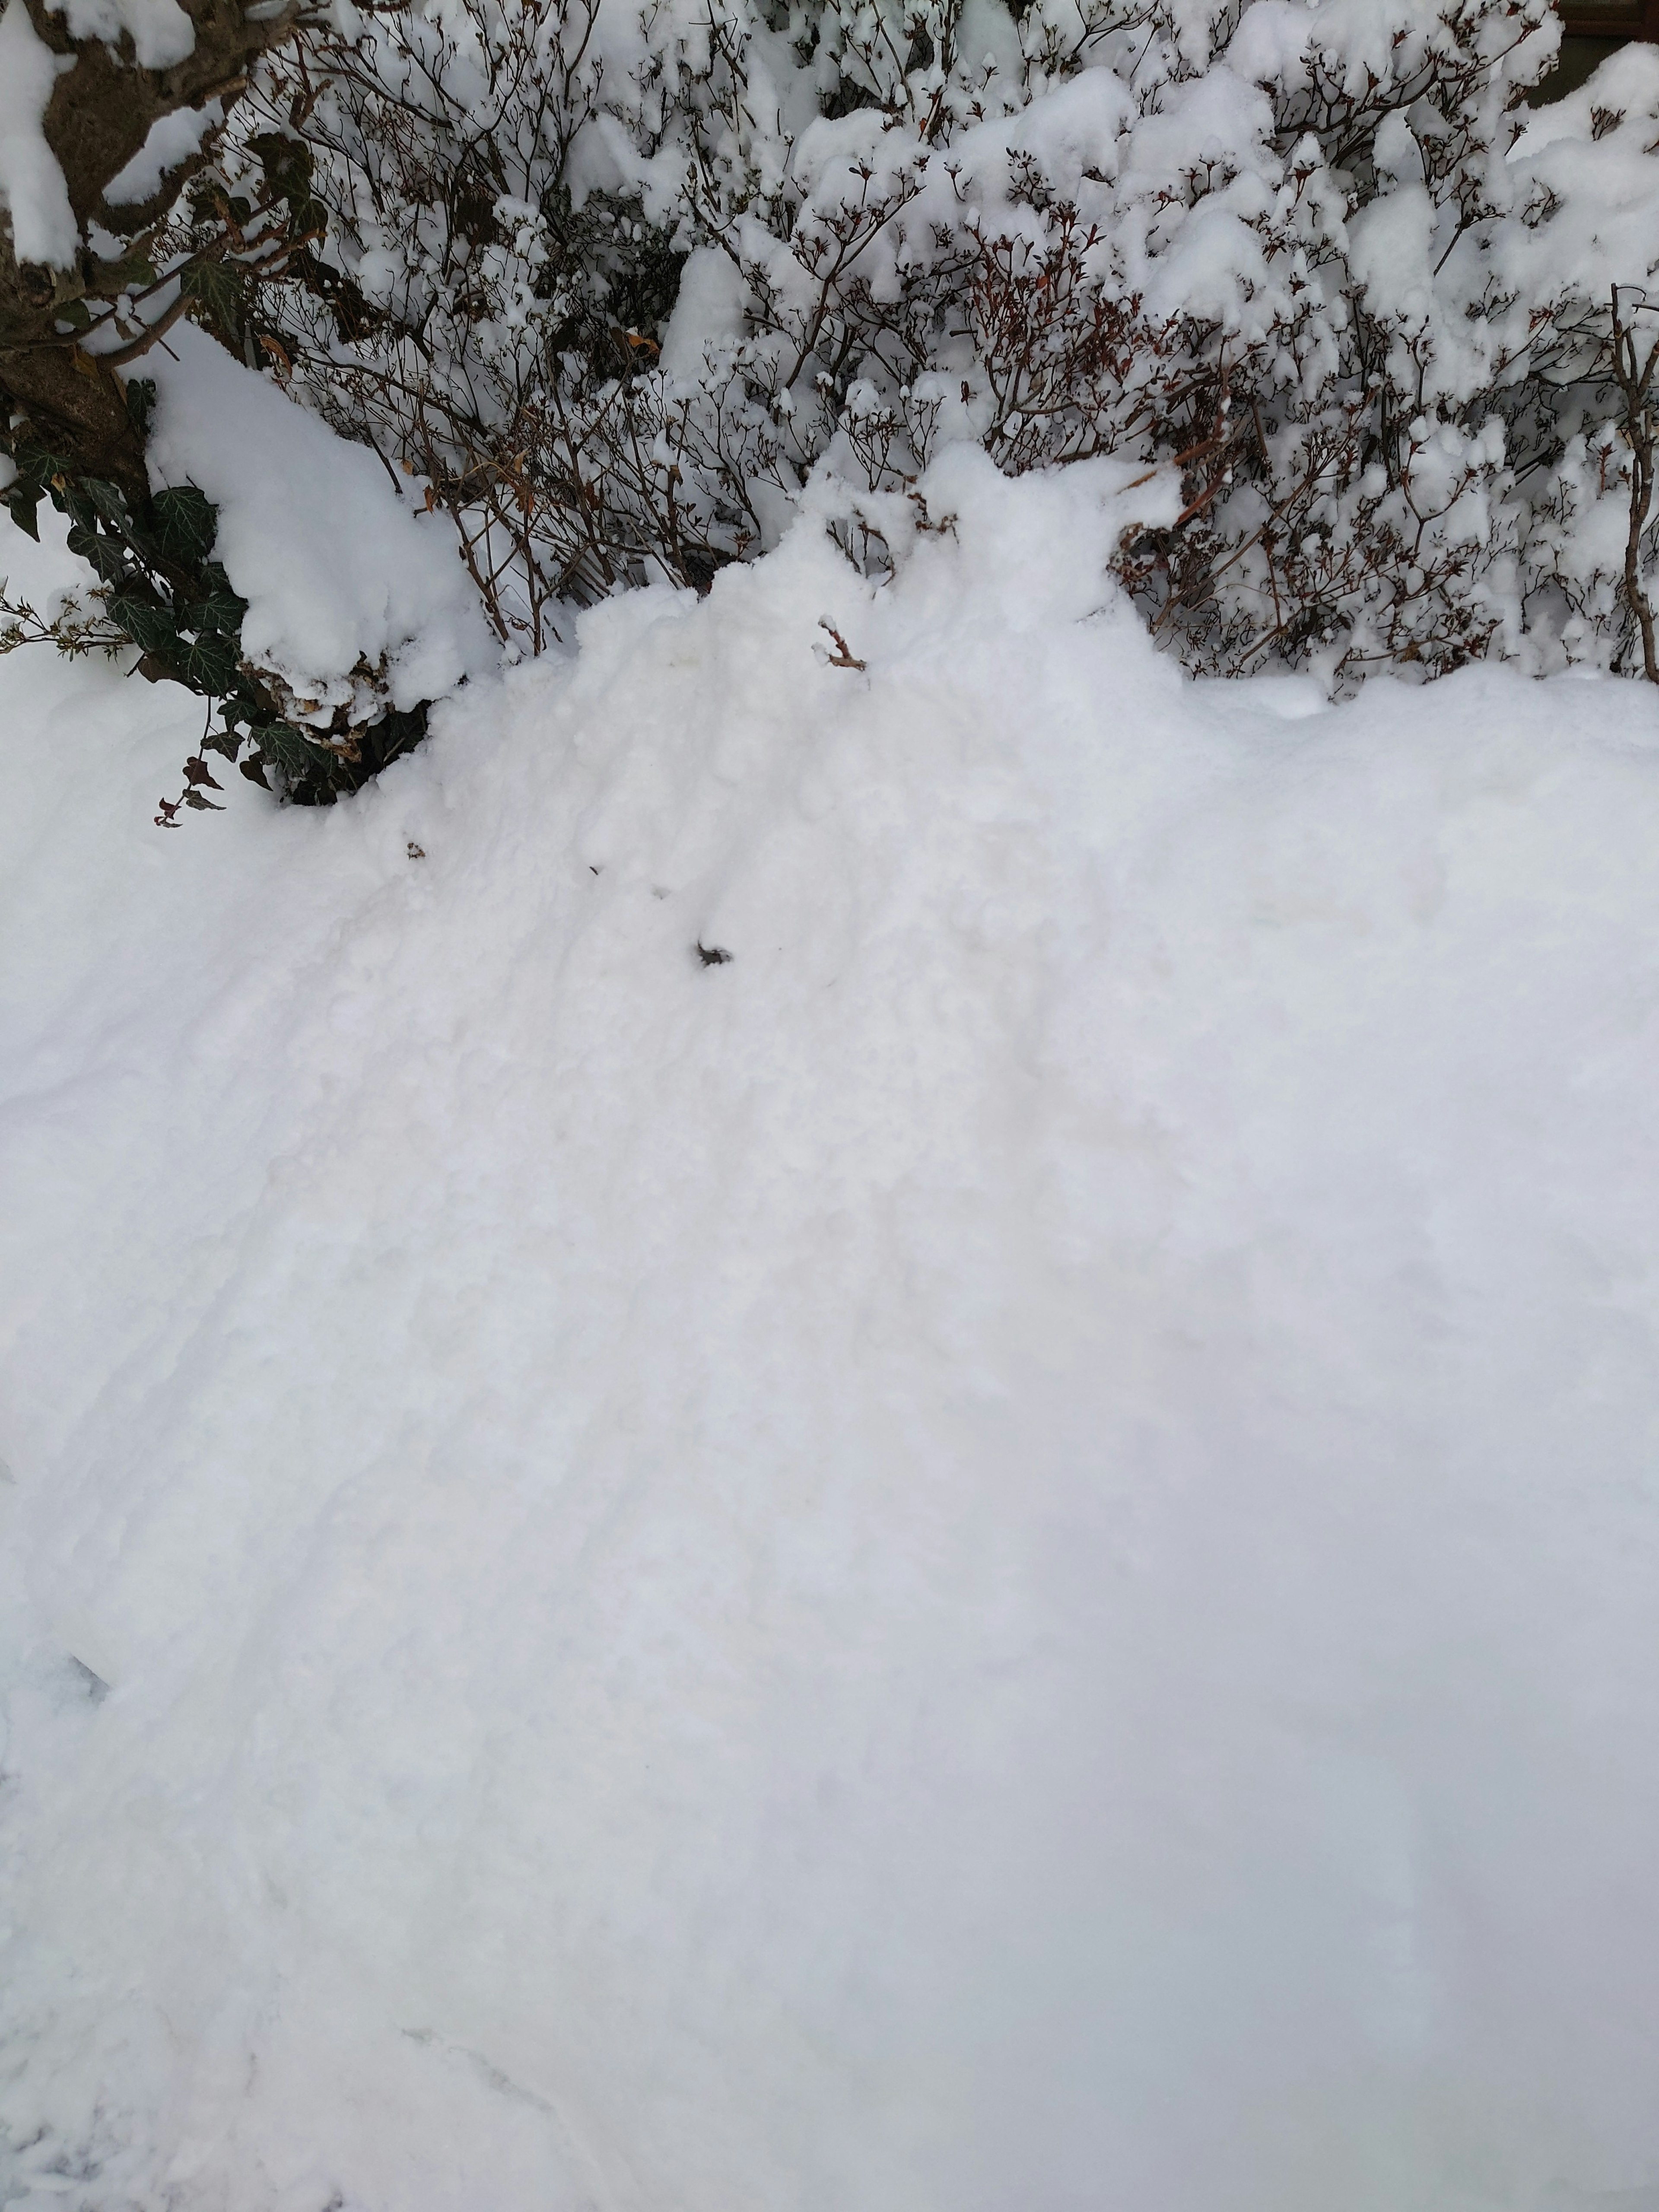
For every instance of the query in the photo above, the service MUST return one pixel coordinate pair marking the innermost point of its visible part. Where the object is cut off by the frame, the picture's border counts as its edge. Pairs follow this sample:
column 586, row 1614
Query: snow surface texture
column 338, row 570
column 1000, row 1553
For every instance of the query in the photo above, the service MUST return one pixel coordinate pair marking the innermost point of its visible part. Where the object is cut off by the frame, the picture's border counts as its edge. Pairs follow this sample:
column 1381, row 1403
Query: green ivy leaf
column 225, row 740
column 219, row 610
column 108, row 503
column 281, row 744
column 21, row 502
column 216, row 288
column 186, row 522
column 287, row 164
column 242, row 709
column 140, row 401
column 209, row 663
column 151, row 627
column 106, row 555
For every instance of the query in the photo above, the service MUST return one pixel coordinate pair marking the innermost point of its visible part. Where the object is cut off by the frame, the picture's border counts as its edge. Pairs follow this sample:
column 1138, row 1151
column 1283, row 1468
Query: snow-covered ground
column 1000, row 1556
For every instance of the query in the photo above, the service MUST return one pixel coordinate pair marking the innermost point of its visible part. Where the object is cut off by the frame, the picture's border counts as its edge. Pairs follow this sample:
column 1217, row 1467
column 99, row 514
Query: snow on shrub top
column 343, row 578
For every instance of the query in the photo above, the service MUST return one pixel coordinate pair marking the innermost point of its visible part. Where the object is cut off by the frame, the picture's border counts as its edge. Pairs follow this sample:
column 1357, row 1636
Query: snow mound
column 1000, row 1552
column 337, row 569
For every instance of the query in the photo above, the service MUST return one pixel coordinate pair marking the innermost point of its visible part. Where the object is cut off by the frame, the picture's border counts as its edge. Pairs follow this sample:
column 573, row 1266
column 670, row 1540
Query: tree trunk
column 100, row 112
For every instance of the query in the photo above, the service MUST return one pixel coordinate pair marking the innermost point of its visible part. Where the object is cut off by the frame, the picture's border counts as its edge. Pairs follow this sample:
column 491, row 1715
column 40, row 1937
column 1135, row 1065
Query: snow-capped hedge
column 617, row 279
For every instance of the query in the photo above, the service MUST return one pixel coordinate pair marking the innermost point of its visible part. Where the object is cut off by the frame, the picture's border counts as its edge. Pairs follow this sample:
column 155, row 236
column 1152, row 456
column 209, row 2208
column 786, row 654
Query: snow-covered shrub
column 483, row 307
column 610, row 280
column 615, row 279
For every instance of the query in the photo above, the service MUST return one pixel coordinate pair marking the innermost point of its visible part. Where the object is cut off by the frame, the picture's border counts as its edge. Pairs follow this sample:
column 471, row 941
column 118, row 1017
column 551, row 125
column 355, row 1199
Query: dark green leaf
column 149, row 626
column 108, row 503
column 225, row 741
column 108, row 555
column 216, row 288
column 209, row 664
column 287, row 162
column 38, row 463
column 288, row 166
column 140, row 401
column 220, row 611
column 185, row 523
column 292, row 753
column 242, row 710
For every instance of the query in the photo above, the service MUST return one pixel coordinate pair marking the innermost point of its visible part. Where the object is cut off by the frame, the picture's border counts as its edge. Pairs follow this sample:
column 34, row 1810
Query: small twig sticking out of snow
column 711, row 955
column 843, row 656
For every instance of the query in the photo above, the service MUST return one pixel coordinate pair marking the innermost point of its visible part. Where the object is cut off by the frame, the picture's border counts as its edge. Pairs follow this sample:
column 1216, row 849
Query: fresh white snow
column 1001, row 1555
column 343, row 569
column 172, row 139
column 161, row 33
column 32, row 191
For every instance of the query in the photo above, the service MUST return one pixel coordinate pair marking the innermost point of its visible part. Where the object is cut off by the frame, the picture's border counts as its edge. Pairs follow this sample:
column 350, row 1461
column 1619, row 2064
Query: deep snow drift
column 999, row 1556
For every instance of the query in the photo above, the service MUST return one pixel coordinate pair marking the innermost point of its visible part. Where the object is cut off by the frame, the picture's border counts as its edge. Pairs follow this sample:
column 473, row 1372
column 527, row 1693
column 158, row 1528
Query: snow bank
column 1000, row 1553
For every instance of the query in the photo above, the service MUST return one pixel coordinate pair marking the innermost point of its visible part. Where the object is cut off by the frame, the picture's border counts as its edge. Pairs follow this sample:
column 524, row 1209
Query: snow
column 32, row 190
column 336, row 567
column 32, row 187
column 172, row 138
column 707, row 313
column 1001, row 1552
column 161, row 33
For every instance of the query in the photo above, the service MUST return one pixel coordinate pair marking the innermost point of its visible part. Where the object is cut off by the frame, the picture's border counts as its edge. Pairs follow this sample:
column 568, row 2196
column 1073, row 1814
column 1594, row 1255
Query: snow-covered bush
column 615, row 280
column 609, row 282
